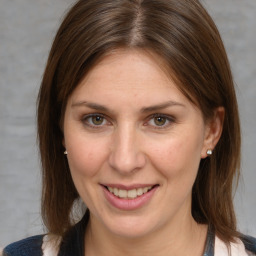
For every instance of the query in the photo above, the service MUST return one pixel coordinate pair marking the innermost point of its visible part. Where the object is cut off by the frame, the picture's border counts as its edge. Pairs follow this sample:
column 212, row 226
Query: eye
column 160, row 121
column 97, row 120
column 94, row 120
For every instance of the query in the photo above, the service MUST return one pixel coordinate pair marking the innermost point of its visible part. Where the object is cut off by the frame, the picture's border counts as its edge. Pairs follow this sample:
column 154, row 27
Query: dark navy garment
column 27, row 247
column 73, row 243
column 249, row 243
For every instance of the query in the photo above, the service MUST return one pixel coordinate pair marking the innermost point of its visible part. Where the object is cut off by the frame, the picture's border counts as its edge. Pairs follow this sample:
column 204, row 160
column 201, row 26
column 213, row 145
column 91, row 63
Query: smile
column 128, row 198
column 129, row 194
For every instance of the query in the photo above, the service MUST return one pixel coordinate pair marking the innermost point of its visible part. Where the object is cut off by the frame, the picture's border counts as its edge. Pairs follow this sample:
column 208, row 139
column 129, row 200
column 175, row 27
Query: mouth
column 129, row 193
column 129, row 198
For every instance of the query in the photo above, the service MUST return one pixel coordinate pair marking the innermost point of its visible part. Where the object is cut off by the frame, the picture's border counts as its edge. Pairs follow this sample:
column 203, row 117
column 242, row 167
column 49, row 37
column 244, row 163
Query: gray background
column 26, row 31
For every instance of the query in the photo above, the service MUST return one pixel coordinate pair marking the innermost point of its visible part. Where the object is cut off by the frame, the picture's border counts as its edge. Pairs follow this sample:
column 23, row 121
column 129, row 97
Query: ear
column 213, row 131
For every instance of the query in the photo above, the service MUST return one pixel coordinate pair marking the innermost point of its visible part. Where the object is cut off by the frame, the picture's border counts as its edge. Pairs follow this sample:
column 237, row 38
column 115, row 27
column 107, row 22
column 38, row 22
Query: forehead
column 129, row 71
column 128, row 82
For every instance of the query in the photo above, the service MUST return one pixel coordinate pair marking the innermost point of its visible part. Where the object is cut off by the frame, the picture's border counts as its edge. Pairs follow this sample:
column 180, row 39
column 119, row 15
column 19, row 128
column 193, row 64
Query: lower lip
column 129, row 204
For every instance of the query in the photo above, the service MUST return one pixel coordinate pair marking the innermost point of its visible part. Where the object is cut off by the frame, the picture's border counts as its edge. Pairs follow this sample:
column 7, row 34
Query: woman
column 138, row 120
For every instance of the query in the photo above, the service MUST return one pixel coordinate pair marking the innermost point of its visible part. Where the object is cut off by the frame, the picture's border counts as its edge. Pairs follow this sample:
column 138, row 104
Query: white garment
column 50, row 246
column 236, row 249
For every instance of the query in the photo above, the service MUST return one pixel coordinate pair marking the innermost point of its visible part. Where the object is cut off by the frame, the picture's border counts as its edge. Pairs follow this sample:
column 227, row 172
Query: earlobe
column 213, row 131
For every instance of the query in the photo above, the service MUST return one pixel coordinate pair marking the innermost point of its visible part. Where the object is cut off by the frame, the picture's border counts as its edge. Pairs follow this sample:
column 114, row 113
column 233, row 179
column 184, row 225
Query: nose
column 126, row 155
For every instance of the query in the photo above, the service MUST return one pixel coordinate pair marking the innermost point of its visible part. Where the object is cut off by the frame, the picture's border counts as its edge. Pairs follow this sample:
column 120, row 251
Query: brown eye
column 94, row 120
column 97, row 120
column 160, row 120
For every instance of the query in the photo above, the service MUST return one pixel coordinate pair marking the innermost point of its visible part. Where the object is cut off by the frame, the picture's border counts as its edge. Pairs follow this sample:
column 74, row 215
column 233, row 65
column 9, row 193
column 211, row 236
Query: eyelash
column 169, row 121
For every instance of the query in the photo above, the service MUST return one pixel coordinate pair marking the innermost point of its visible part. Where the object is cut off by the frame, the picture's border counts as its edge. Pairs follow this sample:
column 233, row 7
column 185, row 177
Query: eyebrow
column 161, row 106
column 90, row 105
column 156, row 107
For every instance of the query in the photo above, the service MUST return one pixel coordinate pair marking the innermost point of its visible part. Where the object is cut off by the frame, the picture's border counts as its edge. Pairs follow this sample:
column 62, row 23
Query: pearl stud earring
column 209, row 152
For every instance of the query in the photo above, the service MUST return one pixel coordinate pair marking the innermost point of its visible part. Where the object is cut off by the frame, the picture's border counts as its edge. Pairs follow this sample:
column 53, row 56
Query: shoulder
column 30, row 246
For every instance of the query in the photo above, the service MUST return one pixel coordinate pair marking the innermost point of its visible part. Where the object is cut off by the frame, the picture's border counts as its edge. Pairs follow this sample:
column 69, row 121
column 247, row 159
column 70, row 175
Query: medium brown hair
column 181, row 33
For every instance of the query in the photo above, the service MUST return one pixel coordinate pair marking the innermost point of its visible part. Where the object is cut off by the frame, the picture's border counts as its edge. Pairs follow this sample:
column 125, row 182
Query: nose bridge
column 126, row 154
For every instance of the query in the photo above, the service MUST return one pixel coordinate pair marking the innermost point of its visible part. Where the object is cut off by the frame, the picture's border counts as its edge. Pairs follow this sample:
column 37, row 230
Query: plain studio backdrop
column 27, row 28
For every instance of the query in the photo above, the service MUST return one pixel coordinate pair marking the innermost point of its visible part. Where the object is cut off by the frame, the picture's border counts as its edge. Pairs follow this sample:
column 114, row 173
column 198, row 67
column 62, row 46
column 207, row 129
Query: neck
column 169, row 240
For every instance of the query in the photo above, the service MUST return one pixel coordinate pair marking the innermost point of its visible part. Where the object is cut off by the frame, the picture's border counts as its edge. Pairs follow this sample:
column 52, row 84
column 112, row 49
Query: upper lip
column 129, row 187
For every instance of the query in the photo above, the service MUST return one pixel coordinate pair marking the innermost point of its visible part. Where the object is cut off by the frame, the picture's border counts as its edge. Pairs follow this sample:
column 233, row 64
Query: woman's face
column 134, row 144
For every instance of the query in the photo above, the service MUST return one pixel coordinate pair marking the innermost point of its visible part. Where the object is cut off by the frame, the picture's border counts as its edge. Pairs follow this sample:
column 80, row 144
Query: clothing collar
column 73, row 242
column 210, row 241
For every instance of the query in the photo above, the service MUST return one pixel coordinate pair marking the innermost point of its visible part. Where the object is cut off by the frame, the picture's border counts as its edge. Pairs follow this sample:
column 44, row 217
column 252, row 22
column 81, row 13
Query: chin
column 131, row 227
column 131, row 232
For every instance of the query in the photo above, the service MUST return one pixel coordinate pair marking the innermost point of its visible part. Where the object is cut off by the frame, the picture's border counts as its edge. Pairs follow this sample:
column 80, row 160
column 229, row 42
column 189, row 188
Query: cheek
column 177, row 156
column 85, row 156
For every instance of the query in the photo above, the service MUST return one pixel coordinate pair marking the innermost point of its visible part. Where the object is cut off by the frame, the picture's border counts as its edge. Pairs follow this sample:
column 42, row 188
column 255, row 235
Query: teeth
column 122, row 193
column 133, row 193
column 139, row 191
column 115, row 191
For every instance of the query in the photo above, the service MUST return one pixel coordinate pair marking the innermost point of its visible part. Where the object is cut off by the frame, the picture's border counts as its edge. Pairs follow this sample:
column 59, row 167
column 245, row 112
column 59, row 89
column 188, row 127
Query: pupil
column 160, row 120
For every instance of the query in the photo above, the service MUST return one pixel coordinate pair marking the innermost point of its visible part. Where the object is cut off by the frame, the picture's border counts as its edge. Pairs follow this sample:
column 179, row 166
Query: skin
column 127, row 146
